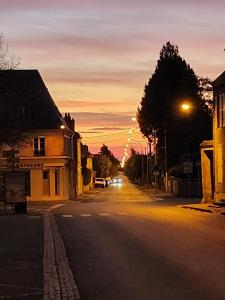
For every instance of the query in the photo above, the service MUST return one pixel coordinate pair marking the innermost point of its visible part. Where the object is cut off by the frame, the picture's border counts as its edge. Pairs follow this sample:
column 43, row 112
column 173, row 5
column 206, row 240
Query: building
column 213, row 152
column 50, row 148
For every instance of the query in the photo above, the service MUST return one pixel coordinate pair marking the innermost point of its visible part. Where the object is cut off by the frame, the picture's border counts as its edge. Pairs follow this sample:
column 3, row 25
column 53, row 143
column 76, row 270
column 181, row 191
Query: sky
column 95, row 56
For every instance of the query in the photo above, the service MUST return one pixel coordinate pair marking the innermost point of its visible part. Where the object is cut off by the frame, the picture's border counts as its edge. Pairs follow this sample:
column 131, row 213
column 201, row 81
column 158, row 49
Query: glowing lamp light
column 129, row 139
column 186, row 107
column 134, row 119
column 62, row 126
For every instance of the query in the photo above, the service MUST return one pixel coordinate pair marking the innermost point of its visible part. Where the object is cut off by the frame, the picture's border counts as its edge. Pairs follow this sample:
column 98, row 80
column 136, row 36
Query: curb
column 205, row 209
column 58, row 280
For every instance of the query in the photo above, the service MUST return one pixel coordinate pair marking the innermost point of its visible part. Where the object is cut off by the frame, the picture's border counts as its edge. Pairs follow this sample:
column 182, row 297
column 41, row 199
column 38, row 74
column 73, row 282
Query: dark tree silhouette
column 172, row 82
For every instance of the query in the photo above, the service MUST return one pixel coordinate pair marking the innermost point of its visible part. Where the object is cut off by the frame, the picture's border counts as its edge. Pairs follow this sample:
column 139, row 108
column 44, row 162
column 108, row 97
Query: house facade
column 213, row 152
column 49, row 155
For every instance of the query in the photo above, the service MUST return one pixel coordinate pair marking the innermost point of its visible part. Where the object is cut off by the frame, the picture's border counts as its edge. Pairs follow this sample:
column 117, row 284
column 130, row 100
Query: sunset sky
column 95, row 56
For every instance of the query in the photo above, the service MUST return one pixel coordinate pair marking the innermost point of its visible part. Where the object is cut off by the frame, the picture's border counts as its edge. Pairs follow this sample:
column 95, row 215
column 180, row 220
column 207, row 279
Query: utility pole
column 165, row 158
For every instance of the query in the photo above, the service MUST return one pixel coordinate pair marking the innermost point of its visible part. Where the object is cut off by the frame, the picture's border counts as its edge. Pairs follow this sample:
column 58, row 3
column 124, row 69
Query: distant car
column 100, row 182
column 116, row 180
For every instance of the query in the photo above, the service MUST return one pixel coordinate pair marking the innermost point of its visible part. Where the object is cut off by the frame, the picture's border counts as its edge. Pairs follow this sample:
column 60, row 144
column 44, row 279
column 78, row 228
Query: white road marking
column 55, row 206
column 85, row 215
column 67, row 216
column 104, row 214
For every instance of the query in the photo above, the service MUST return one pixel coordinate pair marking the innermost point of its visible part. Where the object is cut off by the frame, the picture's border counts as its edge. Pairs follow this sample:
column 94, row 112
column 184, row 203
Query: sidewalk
column 89, row 195
column 22, row 250
column 183, row 202
column 167, row 198
column 21, row 253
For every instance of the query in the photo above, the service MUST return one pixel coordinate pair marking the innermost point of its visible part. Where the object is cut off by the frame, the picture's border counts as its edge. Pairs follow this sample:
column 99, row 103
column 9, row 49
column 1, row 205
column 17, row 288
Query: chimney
column 69, row 121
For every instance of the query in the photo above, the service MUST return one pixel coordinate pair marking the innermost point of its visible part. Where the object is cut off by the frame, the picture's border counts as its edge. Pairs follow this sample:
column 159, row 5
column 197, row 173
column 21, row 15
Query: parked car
column 100, row 182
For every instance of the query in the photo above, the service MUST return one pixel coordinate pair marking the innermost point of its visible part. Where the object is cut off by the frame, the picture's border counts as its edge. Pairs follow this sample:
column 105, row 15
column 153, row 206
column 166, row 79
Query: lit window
column 39, row 146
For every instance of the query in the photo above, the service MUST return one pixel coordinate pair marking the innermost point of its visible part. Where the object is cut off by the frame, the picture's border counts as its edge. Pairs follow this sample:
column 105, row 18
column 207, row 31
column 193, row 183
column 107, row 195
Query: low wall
column 185, row 187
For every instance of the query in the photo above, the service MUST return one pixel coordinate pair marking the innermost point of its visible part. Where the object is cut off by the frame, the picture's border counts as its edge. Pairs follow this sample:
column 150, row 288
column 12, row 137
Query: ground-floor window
column 46, row 183
column 57, row 182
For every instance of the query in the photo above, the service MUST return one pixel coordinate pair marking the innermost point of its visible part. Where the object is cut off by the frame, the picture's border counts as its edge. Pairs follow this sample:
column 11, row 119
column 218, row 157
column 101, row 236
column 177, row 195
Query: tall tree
column 133, row 168
column 102, row 165
column 206, row 93
column 114, row 161
column 7, row 62
column 173, row 82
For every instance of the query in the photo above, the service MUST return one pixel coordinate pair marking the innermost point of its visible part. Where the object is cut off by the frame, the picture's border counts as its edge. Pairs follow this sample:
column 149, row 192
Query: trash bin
column 20, row 207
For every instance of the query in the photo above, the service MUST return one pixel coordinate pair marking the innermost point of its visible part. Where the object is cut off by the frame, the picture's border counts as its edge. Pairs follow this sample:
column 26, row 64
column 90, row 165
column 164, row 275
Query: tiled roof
column 219, row 80
column 24, row 99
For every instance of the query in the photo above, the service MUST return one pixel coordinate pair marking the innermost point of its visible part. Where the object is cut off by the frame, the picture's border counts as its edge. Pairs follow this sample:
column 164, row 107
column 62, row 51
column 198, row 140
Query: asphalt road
column 124, row 245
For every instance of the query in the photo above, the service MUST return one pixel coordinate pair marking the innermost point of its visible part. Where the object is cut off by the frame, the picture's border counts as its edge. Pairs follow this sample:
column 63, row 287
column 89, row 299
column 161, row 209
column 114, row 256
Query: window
column 56, row 182
column 45, row 174
column 46, row 182
column 39, row 146
column 220, row 100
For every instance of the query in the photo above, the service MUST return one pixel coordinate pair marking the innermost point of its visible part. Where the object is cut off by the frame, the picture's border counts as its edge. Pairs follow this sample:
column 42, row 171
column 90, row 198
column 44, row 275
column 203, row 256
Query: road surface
column 123, row 244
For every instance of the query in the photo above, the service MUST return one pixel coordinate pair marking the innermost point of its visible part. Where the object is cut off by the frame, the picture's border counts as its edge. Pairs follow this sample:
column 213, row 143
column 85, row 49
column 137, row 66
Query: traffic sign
column 156, row 168
column 155, row 173
column 188, row 167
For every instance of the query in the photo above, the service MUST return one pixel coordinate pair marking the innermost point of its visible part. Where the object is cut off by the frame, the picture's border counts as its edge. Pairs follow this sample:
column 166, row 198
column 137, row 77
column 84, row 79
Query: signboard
column 188, row 167
column 13, row 160
column 5, row 164
column 15, row 187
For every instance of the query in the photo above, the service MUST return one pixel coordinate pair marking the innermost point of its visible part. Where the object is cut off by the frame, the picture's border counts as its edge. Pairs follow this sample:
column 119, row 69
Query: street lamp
column 186, row 107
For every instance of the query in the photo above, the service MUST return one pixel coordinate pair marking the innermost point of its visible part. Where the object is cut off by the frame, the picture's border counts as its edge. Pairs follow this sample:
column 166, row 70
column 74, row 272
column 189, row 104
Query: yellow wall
column 56, row 158
column 207, row 188
column 54, row 142
column 79, row 169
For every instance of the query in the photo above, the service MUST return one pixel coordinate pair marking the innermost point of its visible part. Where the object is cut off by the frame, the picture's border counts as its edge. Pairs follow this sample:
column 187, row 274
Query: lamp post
column 185, row 107
column 152, row 139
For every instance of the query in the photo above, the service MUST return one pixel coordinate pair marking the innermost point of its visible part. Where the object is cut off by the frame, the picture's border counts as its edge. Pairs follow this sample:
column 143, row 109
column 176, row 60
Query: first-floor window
column 39, row 146
column 221, row 110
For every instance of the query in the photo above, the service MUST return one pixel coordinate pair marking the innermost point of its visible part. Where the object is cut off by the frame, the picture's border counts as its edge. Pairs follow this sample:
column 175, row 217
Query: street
column 123, row 244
